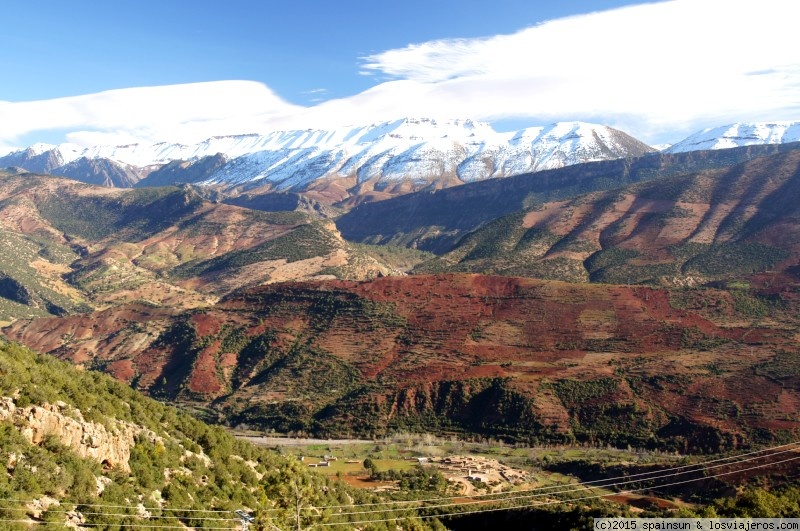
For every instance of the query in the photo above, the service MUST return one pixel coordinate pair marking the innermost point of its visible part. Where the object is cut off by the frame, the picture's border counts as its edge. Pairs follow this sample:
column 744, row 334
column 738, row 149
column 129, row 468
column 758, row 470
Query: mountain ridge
column 67, row 244
column 384, row 158
column 437, row 221
column 739, row 134
column 351, row 165
column 697, row 227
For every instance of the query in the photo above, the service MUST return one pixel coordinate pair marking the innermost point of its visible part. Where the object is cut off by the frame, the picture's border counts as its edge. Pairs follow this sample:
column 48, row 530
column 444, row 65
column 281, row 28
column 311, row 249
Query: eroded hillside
column 69, row 246
column 439, row 220
column 524, row 359
column 689, row 229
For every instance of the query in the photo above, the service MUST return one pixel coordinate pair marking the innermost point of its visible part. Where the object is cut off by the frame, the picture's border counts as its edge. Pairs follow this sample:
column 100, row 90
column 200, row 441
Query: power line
column 535, row 493
column 498, row 497
column 139, row 526
column 128, row 506
column 494, row 509
column 702, row 464
column 538, row 492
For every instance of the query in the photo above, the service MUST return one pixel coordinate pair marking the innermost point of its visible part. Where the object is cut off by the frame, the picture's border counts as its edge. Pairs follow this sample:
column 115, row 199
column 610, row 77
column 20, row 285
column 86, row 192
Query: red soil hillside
column 519, row 358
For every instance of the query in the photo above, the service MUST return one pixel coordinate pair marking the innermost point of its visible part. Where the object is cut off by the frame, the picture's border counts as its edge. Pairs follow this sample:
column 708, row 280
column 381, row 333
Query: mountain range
column 652, row 290
column 69, row 246
column 350, row 165
column 525, row 360
column 658, row 288
column 737, row 135
column 363, row 163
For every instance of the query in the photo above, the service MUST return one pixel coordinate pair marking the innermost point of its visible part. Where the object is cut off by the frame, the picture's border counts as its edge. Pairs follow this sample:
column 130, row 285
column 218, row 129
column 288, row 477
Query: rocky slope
column 90, row 440
column 82, row 451
column 522, row 359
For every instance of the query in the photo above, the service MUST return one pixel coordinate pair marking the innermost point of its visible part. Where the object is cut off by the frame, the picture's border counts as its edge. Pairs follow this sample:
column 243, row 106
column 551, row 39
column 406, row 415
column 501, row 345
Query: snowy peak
column 740, row 134
column 566, row 143
column 403, row 155
column 39, row 148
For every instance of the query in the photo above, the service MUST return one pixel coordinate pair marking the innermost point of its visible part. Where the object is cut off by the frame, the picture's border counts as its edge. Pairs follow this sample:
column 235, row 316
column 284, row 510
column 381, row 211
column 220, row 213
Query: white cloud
column 184, row 113
column 671, row 66
column 659, row 71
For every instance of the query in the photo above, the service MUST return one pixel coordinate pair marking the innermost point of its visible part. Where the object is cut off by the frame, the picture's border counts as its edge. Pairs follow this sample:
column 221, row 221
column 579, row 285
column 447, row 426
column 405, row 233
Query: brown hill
column 69, row 245
column 523, row 359
column 686, row 229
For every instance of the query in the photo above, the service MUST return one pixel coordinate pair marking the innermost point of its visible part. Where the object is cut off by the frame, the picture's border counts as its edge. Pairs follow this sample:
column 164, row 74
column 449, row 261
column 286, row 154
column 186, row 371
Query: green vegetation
column 304, row 242
column 26, row 291
column 394, row 256
column 488, row 407
column 735, row 258
column 577, row 393
column 784, row 367
column 457, row 212
column 752, row 503
column 180, row 468
column 419, row 478
column 135, row 212
column 608, row 258
column 505, row 247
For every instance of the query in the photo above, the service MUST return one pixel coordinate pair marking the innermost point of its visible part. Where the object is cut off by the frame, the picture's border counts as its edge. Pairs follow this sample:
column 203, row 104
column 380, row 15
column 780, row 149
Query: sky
column 91, row 72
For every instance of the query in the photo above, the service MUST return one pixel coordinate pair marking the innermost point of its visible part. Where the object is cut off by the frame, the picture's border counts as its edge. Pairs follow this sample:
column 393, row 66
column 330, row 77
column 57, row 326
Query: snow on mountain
column 416, row 150
column 423, row 151
column 741, row 134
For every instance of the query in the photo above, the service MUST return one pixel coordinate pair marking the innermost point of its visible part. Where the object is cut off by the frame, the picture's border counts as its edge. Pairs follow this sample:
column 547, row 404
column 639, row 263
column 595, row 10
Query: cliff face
column 110, row 446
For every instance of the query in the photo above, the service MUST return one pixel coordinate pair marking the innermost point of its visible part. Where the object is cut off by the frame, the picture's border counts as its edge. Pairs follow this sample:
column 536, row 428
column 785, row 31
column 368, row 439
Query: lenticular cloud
column 183, row 113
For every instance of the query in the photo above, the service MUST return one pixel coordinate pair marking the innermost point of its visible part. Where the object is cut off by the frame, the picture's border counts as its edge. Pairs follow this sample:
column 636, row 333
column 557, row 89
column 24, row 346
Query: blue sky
column 659, row 71
column 62, row 48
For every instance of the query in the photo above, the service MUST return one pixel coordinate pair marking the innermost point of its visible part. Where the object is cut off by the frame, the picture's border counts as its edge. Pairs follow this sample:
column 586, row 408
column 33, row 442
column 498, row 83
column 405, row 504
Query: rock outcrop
column 110, row 446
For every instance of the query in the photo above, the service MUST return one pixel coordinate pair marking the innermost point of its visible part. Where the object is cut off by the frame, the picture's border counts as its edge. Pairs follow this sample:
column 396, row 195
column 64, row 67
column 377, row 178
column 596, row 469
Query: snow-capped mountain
column 740, row 134
column 420, row 152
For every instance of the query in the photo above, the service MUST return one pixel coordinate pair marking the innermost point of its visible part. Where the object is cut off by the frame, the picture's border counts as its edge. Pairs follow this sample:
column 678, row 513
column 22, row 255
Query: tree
column 370, row 465
column 293, row 499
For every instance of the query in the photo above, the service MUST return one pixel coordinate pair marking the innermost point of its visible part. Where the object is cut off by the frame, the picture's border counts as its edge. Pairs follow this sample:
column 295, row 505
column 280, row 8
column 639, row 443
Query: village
column 472, row 473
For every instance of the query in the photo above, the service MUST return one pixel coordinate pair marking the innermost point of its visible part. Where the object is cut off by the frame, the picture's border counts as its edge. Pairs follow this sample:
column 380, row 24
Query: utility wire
column 498, row 497
column 661, row 471
column 538, row 492
column 100, row 505
column 552, row 502
column 571, row 488
column 133, row 515
column 76, row 504
column 139, row 526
